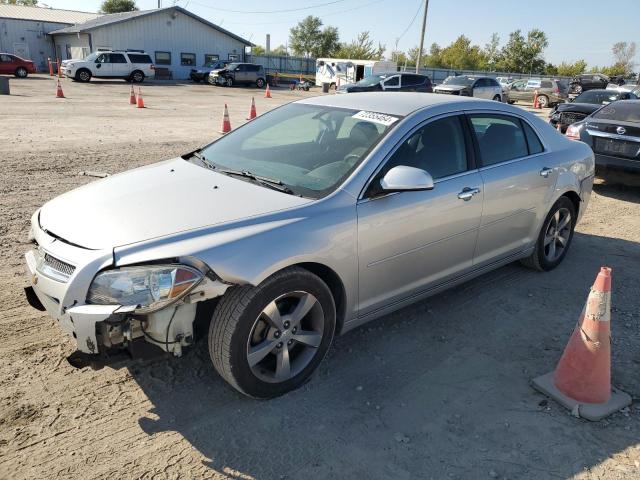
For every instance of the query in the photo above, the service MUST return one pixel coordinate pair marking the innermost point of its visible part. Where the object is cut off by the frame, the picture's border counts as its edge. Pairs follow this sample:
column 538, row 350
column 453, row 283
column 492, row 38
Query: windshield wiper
column 272, row 183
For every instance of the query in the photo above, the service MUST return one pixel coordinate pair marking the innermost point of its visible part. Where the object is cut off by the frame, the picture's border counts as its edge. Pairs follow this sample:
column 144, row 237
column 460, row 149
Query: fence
column 285, row 64
column 437, row 75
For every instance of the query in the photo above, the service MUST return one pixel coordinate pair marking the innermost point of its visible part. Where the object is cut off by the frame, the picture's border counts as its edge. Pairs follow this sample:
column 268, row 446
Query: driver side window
column 439, row 148
column 392, row 82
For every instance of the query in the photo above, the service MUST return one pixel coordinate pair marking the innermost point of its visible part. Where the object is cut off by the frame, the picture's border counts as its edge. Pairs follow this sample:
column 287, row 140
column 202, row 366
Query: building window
column 233, row 57
column 163, row 58
column 188, row 59
column 210, row 58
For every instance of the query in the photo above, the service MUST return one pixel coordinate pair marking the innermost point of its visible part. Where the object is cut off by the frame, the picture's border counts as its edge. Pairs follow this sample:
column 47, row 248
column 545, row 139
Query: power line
column 411, row 23
column 270, row 11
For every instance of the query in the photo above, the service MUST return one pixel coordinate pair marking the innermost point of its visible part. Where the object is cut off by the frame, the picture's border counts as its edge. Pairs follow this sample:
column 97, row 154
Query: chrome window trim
column 615, row 136
column 397, row 146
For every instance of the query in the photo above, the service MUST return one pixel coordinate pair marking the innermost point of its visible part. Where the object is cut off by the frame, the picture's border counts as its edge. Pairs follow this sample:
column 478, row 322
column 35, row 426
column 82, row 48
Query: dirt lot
column 437, row 390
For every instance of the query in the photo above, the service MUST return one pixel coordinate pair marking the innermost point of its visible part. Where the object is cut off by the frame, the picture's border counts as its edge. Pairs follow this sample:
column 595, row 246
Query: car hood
column 578, row 107
column 155, row 201
column 450, row 88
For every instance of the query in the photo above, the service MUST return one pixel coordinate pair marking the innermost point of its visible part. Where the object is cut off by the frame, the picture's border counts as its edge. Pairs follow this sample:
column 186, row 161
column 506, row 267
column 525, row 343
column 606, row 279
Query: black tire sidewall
column 260, row 83
column 79, row 77
column 241, row 371
column 563, row 202
column 133, row 75
column 21, row 75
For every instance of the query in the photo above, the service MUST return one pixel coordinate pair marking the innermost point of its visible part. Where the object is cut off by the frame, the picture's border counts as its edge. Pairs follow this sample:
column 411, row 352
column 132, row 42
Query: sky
column 576, row 33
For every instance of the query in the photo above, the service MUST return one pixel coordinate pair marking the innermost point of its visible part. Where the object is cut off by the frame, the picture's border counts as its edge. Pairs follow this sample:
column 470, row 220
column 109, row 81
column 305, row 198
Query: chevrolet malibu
column 308, row 221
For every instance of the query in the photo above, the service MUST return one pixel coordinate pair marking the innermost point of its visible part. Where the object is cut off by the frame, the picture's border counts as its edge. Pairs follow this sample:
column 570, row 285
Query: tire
column 511, row 102
column 540, row 258
column 83, row 75
column 497, row 98
column 228, row 82
column 239, row 323
column 260, row 83
column 137, row 76
column 543, row 101
column 21, row 72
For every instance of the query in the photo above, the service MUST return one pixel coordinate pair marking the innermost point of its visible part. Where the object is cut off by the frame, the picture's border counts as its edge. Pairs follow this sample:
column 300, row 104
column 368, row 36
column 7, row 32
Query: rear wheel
column 83, row 75
column 21, row 72
column 543, row 101
column 497, row 98
column 555, row 237
column 137, row 76
column 260, row 83
column 267, row 340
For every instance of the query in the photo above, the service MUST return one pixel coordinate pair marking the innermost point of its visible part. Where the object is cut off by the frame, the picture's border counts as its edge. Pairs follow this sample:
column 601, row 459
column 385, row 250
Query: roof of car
column 393, row 103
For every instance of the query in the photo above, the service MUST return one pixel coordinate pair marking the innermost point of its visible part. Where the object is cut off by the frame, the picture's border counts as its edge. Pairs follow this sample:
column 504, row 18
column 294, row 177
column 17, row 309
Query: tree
column 571, row 69
column 27, row 3
column 624, row 54
column 309, row 40
column 462, row 55
column 362, row 48
column 118, row 6
column 524, row 55
column 280, row 50
column 492, row 52
column 257, row 50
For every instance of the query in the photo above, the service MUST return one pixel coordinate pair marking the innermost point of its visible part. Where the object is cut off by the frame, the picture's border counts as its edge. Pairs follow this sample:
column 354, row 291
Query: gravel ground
column 437, row 390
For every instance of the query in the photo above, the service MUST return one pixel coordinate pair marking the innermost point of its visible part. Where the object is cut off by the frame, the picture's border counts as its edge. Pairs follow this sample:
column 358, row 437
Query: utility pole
column 424, row 26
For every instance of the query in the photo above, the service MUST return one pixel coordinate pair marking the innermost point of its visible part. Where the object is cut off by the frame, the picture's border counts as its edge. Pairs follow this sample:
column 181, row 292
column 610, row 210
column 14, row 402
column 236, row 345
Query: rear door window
column 138, row 58
column 500, row 138
column 117, row 58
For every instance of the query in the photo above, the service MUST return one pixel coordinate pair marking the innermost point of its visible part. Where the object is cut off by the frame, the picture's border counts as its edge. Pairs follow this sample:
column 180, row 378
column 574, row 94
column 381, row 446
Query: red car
column 13, row 65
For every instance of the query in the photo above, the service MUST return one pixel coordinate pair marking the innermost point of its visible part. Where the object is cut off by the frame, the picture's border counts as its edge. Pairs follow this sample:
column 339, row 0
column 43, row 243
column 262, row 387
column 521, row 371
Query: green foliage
column 524, row 55
column 27, row 3
column 280, row 50
column 257, row 50
column 362, row 48
column 492, row 52
column 623, row 53
column 571, row 69
column 309, row 40
column 118, row 6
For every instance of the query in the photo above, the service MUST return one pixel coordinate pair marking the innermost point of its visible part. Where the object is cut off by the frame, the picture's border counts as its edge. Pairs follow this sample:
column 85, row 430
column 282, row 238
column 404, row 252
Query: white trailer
column 341, row 71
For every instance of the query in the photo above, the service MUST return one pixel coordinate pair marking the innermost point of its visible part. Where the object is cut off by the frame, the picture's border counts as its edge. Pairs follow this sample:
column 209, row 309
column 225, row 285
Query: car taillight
column 573, row 132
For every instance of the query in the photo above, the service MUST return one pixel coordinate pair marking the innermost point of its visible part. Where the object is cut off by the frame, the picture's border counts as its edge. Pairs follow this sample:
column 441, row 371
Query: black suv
column 587, row 81
column 240, row 74
column 390, row 82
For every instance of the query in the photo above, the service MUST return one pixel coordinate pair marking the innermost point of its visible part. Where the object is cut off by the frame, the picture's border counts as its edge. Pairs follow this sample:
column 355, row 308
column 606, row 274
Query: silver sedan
column 308, row 221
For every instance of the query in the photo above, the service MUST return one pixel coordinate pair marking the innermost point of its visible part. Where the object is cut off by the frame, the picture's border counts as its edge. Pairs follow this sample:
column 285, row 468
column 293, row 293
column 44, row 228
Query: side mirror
column 403, row 178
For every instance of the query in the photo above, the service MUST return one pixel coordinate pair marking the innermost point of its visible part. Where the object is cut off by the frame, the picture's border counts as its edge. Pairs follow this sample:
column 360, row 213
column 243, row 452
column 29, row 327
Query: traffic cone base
column 582, row 380
column 589, row 411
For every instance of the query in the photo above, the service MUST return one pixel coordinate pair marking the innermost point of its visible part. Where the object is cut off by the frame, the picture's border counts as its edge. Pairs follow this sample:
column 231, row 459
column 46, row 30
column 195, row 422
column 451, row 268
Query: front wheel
column 229, row 82
column 267, row 340
column 260, row 83
column 497, row 98
column 555, row 237
column 83, row 75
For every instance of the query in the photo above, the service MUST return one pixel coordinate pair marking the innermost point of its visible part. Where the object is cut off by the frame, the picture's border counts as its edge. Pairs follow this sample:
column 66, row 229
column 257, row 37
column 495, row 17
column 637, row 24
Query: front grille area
column 58, row 265
column 53, row 267
column 448, row 92
column 567, row 118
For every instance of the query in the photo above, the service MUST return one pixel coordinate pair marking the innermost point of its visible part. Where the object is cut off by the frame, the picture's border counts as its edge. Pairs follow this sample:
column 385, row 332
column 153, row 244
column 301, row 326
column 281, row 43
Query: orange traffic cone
column 582, row 379
column 252, row 110
column 59, row 93
column 140, row 101
column 535, row 99
column 132, row 97
column 267, row 92
column 226, row 123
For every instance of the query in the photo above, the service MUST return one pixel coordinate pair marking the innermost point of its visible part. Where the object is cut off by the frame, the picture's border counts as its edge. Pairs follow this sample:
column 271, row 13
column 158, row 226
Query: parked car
column 613, row 132
column 627, row 86
column 133, row 66
column 239, row 74
column 390, row 82
column 550, row 92
column 587, row 81
column 504, row 81
column 471, row 86
column 310, row 220
column 584, row 105
column 201, row 74
column 14, row 65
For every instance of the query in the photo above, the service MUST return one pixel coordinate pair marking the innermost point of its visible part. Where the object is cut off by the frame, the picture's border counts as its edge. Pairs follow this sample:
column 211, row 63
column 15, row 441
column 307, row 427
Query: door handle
column 467, row 193
column 545, row 172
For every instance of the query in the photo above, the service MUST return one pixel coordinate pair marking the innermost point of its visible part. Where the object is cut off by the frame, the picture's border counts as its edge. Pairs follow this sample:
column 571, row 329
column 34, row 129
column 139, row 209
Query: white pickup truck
column 128, row 65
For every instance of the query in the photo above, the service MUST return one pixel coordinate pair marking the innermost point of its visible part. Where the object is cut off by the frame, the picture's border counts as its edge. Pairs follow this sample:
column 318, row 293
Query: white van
column 340, row 71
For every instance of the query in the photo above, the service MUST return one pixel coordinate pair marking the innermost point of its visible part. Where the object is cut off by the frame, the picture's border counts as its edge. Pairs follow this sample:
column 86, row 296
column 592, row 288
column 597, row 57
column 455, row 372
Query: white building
column 174, row 37
column 24, row 30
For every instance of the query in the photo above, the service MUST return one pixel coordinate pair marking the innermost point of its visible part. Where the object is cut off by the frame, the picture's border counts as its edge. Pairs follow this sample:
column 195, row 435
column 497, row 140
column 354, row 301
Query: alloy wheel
column 557, row 234
column 285, row 337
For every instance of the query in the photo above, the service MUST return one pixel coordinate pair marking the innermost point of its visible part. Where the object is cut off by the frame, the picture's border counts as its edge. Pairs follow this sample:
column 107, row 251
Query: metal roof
column 40, row 14
column 401, row 103
column 114, row 18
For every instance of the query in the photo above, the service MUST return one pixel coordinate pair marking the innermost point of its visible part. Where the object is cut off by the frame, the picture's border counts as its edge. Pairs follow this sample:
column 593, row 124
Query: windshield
column 622, row 111
column 370, row 81
column 599, row 97
column 309, row 148
column 91, row 57
column 459, row 80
